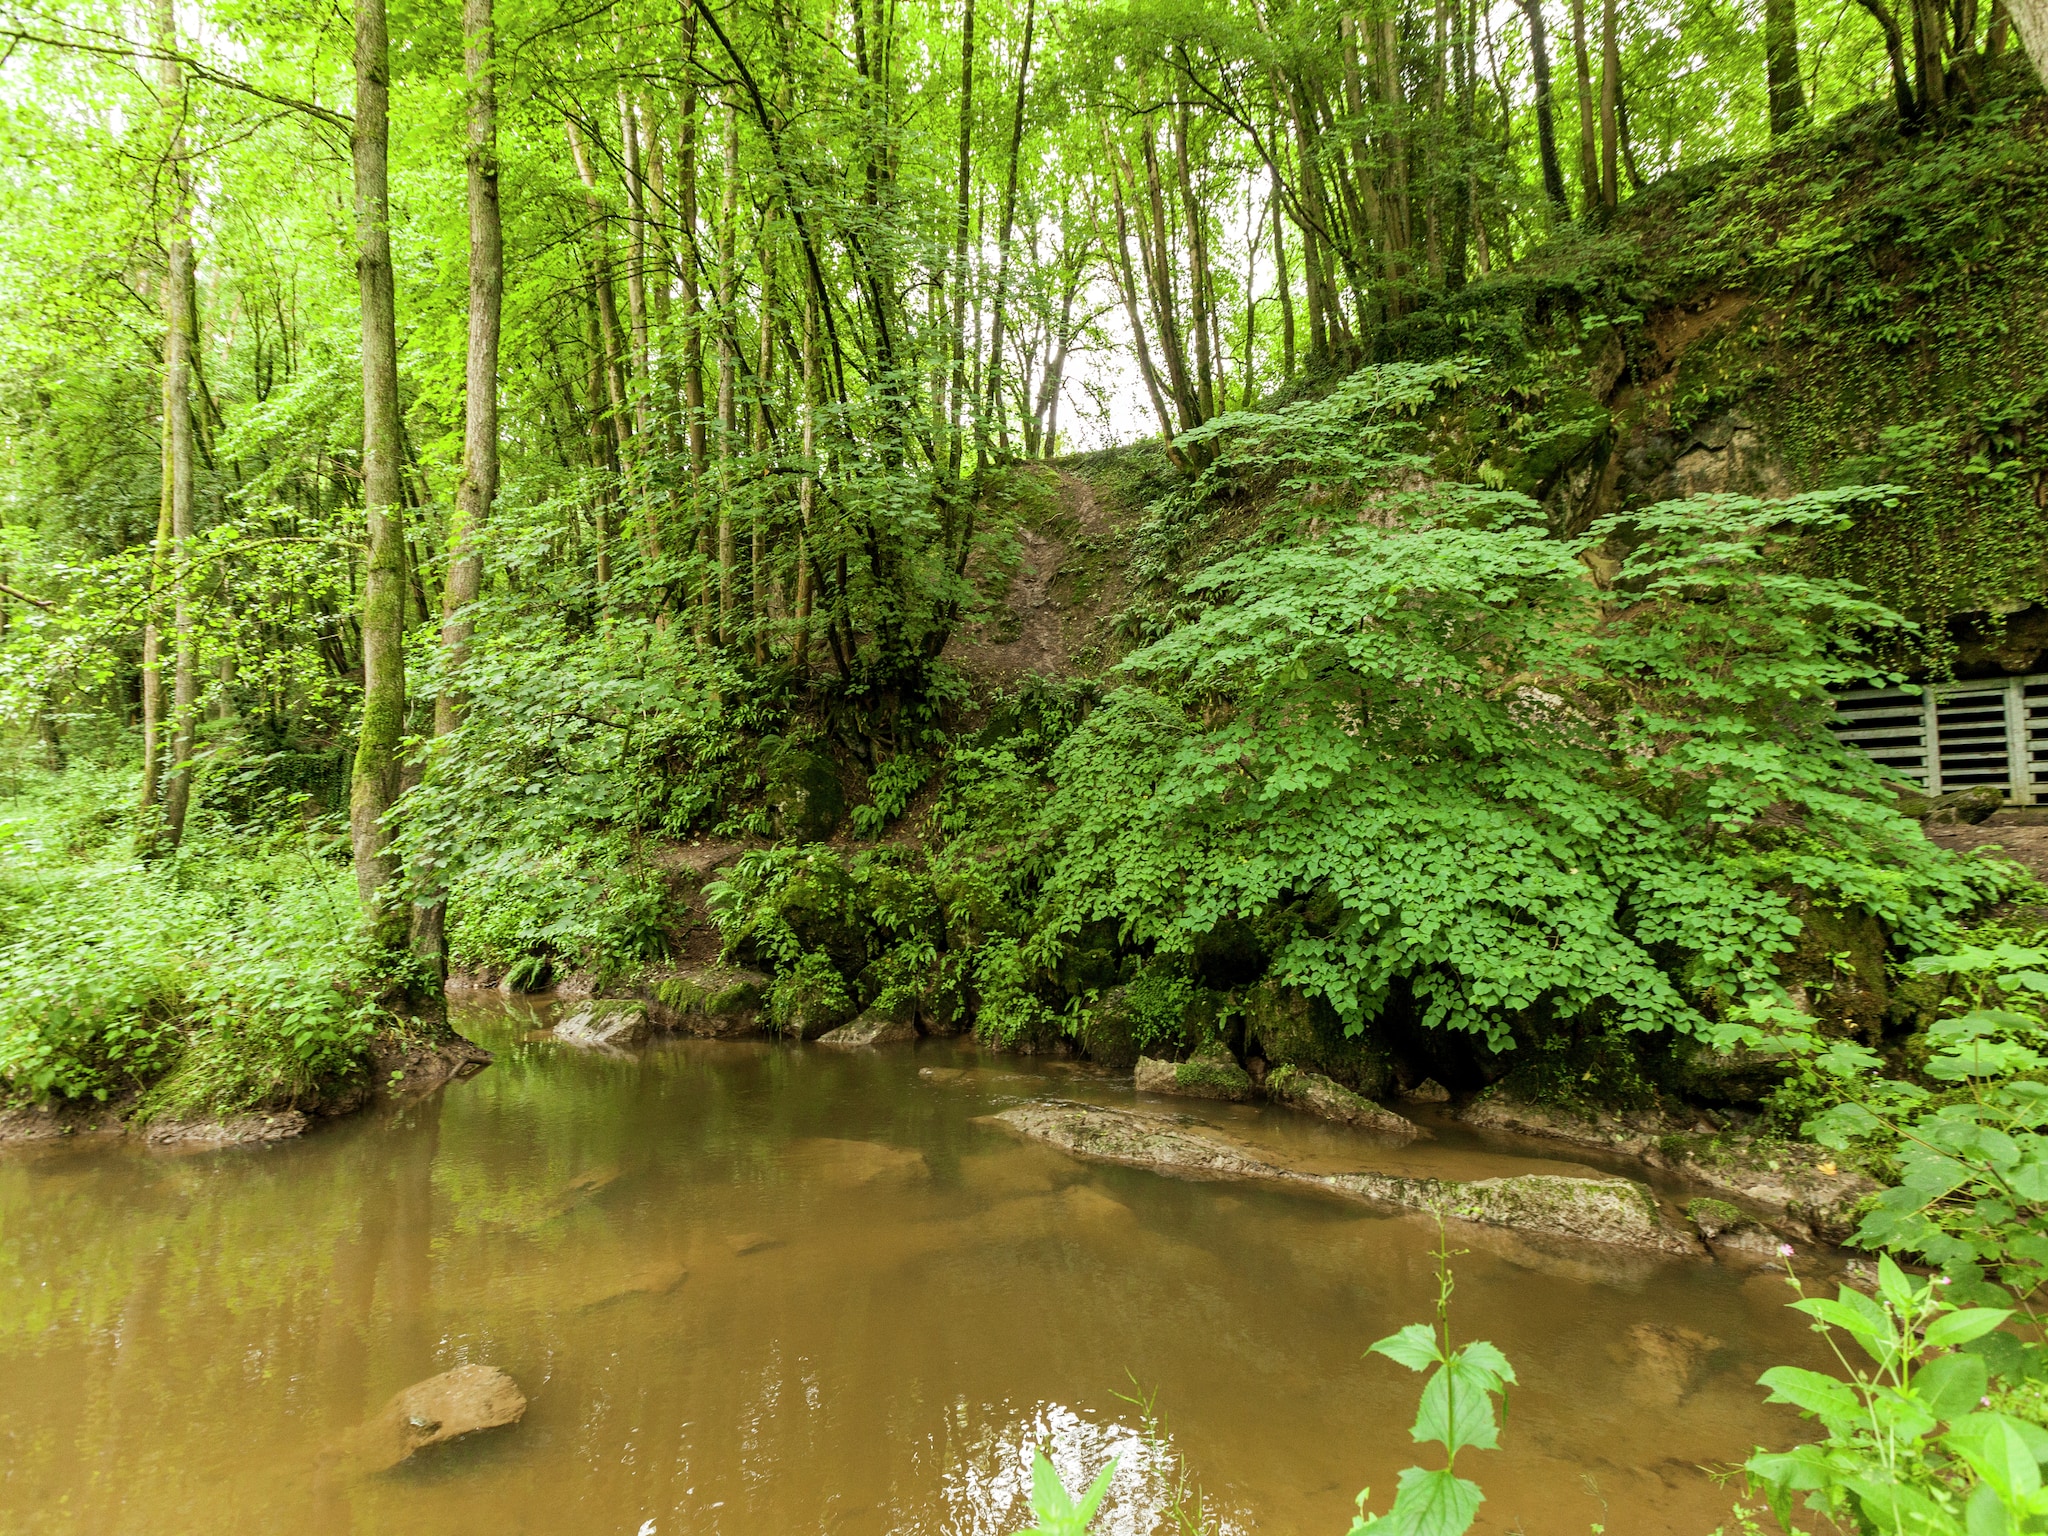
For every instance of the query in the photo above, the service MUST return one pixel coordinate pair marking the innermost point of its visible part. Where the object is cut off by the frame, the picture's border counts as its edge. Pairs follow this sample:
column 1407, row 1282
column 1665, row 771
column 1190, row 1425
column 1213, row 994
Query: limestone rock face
column 605, row 1022
column 871, row 1028
column 1314, row 1094
column 1208, row 1074
column 442, row 1408
column 1291, row 1029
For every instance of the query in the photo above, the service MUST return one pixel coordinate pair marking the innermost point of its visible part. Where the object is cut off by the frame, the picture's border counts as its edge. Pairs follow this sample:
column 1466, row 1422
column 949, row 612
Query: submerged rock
column 442, row 1408
column 1616, row 1211
column 233, row 1131
column 606, row 1022
column 1314, row 1094
column 1208, row 1074
column 871, row 1028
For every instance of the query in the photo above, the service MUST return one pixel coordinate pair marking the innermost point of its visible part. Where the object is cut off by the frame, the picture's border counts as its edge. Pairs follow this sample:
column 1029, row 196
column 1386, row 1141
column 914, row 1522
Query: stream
column 753, row 1288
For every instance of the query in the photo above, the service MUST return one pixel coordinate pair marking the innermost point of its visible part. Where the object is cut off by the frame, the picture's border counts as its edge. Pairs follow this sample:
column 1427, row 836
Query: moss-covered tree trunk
column 375, row 786
column 1781, row 65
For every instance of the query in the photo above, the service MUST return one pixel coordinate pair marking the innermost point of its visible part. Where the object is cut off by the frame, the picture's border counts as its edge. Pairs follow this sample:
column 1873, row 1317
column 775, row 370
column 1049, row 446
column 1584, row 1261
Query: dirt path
column 1037, row 640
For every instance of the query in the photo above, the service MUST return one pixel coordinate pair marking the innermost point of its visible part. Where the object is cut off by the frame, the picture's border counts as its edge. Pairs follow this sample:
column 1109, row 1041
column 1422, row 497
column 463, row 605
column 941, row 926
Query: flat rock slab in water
column 606, row 1023
column 1596, row 1210
column 1314, row 1094
column 871, row 1028
column 442, row 1408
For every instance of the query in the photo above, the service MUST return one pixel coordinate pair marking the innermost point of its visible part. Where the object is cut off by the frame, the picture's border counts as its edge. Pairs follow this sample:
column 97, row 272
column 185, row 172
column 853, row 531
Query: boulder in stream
column 1211, row 1073
column 606, row 1022
column 1315, row 1094
column 871, row 1028
column 1601, row 1210
column 441, row 1408
column 718, row 1003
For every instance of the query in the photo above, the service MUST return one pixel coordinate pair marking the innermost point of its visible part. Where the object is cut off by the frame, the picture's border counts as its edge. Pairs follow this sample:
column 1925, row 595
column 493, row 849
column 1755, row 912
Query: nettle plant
column 1424, row 744
column 1969, row 1144
column 1910, row 1447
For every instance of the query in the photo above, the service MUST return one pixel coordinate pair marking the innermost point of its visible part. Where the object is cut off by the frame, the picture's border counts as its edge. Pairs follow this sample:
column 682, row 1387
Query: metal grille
column 1954, row 736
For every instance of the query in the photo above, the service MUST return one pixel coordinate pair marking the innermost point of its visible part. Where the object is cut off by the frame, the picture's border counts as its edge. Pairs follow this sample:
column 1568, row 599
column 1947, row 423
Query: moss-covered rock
column 1837, row 967
column 720, row 1002
column 1110, row 1029
column 1314, row 1094
column 1209, row 1074
column 1713, row 1217
column 810, row 998
column 1290, row 1029
column 805, row 796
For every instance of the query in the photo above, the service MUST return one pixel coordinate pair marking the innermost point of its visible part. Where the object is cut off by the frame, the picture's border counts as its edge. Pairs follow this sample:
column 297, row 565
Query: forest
column 1304, row 552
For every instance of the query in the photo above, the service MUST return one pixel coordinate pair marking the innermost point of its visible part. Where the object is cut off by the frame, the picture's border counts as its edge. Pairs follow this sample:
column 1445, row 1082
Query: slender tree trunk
column 478, row 488
column 1284, row 284
column 636, row 254
column 962, row 209
column 180, row 337
column 1589, row 155
column 764, row 370
column 1895, row 55
column 1781, row 65
column 1198, row 268
column 728, row 364
column 615, row 360
column 1610, row 99
column 375, row 784
column 1546, row 126
column 1127, row 283
column 807, row 486
column 1004, row 228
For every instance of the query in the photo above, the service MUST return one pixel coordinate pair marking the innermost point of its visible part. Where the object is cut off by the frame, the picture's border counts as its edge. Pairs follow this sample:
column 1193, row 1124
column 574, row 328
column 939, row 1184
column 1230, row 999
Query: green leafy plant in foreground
column 1457, row 1412
column 1910, row 1448
column 1058, row 1512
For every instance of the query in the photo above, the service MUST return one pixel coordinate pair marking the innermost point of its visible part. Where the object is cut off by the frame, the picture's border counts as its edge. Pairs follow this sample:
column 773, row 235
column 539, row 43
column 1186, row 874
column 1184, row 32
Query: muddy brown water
column 759, row 1289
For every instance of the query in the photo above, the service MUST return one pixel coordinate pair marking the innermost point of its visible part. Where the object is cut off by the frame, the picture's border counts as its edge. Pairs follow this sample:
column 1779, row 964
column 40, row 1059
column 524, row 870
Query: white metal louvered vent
column 1951, row 736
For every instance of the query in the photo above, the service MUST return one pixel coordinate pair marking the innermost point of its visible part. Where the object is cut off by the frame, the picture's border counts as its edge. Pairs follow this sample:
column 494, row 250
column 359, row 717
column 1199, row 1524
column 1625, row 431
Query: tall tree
column 1546, row 124
column 1787, row 96
column 375, row 784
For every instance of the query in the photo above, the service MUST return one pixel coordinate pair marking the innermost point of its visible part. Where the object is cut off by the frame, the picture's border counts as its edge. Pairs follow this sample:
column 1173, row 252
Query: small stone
column 1428, row 1091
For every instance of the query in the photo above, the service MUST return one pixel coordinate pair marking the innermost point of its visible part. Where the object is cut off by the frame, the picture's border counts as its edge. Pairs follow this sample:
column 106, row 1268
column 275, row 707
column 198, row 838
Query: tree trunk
column 1589, row 154
column 1546, row 126
column 962, row 211
column 1007, row 219
column 374, row 788
column 728, row 365
column 1781, row 65
column 1895, row 55
column 1198, row 269
column 1127, row 286
column 807, row 486
column 636, row 254
column 2030, row 20
column 1285, row 285
column 478, row 487
column 1610, row 97
column 615, row 360
column 180, row 333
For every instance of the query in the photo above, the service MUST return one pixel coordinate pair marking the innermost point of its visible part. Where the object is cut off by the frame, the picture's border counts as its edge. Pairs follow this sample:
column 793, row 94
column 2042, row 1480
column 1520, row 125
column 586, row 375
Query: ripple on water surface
column 752, row 1289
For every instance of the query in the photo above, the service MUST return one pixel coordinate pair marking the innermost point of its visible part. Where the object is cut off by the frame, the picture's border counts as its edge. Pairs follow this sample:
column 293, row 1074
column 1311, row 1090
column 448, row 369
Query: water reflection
column 750, row 1288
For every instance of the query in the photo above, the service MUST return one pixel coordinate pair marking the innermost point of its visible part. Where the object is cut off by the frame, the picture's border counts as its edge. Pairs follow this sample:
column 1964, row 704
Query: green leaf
column 1953, row 1328
column 1952, row 1386
column 1457, row 1407
column 1057, row 1512
column 1432, row 1504
column 1817, row 1394
column 1998, row 1452
column 1414, row 1347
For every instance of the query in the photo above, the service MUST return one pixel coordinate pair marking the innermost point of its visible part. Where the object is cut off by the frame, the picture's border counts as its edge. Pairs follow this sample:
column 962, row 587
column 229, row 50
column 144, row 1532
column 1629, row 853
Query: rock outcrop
column 718, row 1003
column 1314, row 1094
column 606, row 1023
column 1615, row 1211
column 871, row 1028
column 1208, row 1074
